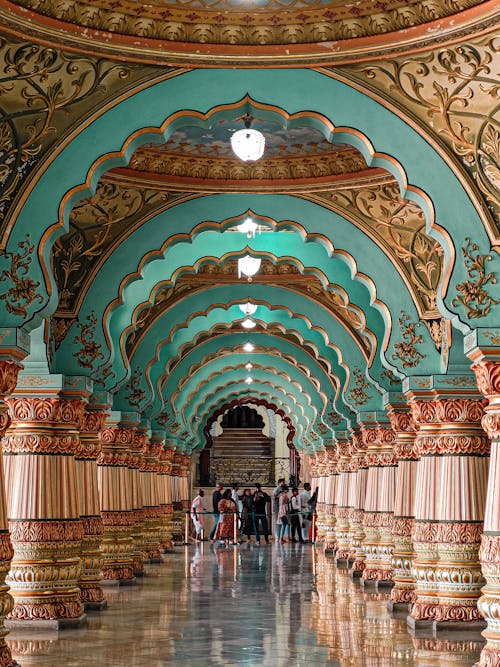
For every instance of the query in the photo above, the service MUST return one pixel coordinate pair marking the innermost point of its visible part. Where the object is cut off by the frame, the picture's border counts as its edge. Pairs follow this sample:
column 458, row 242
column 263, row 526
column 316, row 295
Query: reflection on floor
column 283, row 605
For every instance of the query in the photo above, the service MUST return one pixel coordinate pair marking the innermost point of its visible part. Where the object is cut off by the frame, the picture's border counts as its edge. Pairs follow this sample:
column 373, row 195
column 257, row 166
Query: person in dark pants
column 295, row 515
column 260, row 502
column 216, row 498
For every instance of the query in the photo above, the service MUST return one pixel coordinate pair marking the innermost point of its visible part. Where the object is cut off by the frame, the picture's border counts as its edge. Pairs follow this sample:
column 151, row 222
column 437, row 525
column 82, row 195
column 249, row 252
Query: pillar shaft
column 403, row 554
column 137, row 530
column 115, row 501
column 166, row 506
column 357, row 529
column 379, row 502
column 8, row 378
column 150, row 470
column 44, row 516
column 488, row 380
column 344, row 501
column 449, row 506
column 91, row 593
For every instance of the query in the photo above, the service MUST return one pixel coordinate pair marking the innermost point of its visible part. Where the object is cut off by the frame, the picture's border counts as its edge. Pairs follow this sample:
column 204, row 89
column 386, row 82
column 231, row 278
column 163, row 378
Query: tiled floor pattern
column 276, row 606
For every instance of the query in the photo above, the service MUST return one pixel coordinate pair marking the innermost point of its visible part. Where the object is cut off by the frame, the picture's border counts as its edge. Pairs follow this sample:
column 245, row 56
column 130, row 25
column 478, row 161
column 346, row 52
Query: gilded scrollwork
column 398, row 225
column 358, row 393
column 23, row 289
column 406, row 350
column 89, row 351
column 136, row 393
column 454, row 92
column 472, row 293
column 44, row 91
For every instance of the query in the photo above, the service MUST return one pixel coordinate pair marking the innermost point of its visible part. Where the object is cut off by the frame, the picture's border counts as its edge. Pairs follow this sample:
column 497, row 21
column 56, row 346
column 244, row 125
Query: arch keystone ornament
column 449, row 509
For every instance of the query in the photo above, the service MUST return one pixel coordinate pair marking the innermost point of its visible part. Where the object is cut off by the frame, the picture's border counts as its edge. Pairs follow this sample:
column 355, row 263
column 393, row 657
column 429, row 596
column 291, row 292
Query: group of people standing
column 247, row 515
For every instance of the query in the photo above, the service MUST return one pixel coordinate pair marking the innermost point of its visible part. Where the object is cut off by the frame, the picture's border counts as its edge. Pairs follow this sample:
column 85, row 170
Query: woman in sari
column 228, row 511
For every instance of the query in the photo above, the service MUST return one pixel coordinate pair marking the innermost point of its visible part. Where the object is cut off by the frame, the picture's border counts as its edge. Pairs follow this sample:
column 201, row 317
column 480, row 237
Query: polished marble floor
column 276, row 606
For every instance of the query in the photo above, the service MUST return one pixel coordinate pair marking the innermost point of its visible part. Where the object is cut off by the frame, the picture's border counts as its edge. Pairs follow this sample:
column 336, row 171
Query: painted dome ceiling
column 234, row 31
column 292, row 155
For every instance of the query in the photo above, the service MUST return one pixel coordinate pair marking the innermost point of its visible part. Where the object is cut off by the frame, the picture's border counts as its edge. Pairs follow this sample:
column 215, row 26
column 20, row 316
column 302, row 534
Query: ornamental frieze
column 447, row 533
column 460, row 444
column 453, row 92
column 441, row 411
column 55, row 410
column 224, row 22
column 46, row 531
column 115, row 435
column 38, row 443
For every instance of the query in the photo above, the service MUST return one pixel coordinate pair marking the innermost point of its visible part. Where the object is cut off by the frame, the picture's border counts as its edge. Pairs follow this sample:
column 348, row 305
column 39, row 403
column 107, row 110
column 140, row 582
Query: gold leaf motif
column 406, row 351
column 23, row 292
column 90, row 350
column 136, row 394
column 472, row 293
column 358, row 393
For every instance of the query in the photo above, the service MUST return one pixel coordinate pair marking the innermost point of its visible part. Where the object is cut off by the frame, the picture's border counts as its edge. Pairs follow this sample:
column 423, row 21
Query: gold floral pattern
column 472, row 293
column 358, row 393
column 406, row 350
column 23, row 291
column 90, row 350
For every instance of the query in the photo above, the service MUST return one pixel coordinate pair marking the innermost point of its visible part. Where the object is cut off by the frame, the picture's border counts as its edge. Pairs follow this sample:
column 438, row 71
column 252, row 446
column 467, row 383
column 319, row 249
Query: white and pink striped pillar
column 451, row 482
column 487, row 370
column 379, row 500
column 356, row 528
column 344, row 499
column 402, row 594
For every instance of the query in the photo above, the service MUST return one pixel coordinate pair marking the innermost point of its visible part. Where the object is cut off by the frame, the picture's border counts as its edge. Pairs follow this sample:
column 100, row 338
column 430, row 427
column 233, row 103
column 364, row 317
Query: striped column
column 449, row 505
column 43, row 508
column 344, row 499
column 402, row 526
column 151, row 500
column 137, row 531
column 115, row 496
column 330, row 493
column 488, row 380
column 91, row 593
column 357, row 549
column 167, row 508
column 9, row 370
column 321, row 516
column 379, row 501
column 178, row 514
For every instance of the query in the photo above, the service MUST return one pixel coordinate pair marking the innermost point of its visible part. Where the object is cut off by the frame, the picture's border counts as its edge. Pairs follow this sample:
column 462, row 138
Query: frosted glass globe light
column 249, row 366
column 248, row 144
column 248, row 380
column 248, row 227
column 248, row 323
column 248, row 266
column 248, row 347
column 248, row 308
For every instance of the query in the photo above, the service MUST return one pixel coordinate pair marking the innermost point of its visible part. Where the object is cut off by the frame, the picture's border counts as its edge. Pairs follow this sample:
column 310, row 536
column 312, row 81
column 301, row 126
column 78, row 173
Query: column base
column 153, row 561
column 139, row 573
column 449, row 629
column 114, row 583
column 47, row 625
column 376, row 584
column 355, row 574
column 398, row 607
column 344, row 562
column 96, row 606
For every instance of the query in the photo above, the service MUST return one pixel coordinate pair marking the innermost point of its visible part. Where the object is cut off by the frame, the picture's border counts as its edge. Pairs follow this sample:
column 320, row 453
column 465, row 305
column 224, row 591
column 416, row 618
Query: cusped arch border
column 242, row 401
column 342, row 134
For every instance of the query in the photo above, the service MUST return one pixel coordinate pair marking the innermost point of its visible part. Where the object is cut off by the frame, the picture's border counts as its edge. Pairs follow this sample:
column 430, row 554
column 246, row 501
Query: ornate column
column 357, row 527
column 449, row 506
column 487, row 371
column 177, row 515
column 167, row 508
column 137, row 530
column 344, row 500
column 403, row 555
column 321, row 517
column 9, row 369
column 94, row 417
column 115, row 496
column 330, row 492
column 151, row 499
column 44, row 518
column 379, row 501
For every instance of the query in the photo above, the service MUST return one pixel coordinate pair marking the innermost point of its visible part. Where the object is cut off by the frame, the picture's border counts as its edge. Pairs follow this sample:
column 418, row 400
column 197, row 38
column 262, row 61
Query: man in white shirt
column 305, row 507
column 295, row 507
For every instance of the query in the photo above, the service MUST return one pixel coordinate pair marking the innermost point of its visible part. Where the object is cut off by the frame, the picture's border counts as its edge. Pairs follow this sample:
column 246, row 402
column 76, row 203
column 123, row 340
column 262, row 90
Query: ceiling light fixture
column 248, row 347
column 248, row 323
column 248, row 266
column 248, row 144
column 249, row 366
column 248, row 308
column 248, row 227
column 248, row 380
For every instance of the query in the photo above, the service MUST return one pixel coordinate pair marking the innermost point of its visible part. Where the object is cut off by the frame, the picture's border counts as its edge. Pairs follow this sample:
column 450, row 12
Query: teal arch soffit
column 180, row 253
column 272, row 393
column 217, row 368
column 231, row 345
column 341, row 354
column 359, row 120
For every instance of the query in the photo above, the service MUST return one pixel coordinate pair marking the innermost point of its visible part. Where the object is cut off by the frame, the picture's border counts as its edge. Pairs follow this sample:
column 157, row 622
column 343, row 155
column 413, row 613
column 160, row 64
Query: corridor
column 276, row 606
